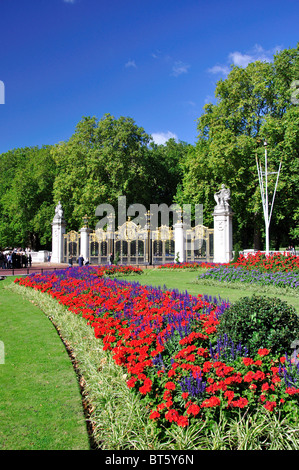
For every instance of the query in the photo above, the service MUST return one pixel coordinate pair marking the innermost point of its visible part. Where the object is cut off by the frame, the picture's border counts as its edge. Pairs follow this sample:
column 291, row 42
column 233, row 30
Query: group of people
column 13, row 259
column 85, row 262
column 81, row 261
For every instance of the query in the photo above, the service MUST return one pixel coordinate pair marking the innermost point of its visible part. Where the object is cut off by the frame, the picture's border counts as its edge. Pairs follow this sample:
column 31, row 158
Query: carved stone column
column 180, row 241
column 58, row 230
column 223, row 229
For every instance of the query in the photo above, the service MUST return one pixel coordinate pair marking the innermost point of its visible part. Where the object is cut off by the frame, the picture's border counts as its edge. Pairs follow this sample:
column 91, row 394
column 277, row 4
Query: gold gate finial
column 85, row 221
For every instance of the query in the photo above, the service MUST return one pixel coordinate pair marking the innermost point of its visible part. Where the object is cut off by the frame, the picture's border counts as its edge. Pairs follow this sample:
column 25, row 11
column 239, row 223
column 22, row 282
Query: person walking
column 81, row 260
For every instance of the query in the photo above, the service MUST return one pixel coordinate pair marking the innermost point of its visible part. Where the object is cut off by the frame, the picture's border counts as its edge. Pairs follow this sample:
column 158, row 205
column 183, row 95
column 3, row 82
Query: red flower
column 170, row 386
column 247, row 361
column 155, row 415
column 270, row 405
column 229, row 394
column 161, row 406
column 131, row 382
column 172, row 415
column 240, row 403
column 263, row 352
column 182, row 421
column 193, row 409
column 146, row 387
column 211, row 402
column 259, row 375
column 292, row 390
column 249, row 376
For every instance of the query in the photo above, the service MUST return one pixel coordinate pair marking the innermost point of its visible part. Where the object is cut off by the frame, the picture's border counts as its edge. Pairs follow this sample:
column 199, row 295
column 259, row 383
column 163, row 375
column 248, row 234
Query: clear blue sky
column 155, row 61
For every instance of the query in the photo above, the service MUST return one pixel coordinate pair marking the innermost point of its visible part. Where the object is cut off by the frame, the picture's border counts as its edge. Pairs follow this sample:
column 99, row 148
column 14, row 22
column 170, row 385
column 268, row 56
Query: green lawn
column 40, row 401
column 185, row 279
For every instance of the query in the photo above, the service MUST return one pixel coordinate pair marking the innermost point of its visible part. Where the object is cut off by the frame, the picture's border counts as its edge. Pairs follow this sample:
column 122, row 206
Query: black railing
column 27, row 270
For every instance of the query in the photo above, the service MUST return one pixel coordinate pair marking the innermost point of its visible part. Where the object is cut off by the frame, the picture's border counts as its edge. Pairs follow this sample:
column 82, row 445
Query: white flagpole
column 264, row 193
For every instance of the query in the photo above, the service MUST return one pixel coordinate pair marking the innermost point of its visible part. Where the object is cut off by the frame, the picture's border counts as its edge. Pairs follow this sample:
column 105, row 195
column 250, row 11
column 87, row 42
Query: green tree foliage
column 102, row 160
column 26, row 197
column 253, row 104
column 165, row 170
column 108, row 158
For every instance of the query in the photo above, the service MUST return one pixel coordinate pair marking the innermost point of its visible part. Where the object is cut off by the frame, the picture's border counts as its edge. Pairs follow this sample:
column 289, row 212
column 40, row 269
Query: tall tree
column 101, row 161
column 253, row 104
column 108, row 158
column 26, row 197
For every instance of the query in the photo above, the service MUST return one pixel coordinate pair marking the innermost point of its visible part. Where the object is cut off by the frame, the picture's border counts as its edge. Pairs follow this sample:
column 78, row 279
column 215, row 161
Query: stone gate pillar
column 58, row 230
column 180, row 241
column 84, row 237
column 223, row 229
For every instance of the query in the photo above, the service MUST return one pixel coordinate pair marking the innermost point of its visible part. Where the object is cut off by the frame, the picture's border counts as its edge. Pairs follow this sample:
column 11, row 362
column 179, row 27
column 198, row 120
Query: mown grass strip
column 40, row 404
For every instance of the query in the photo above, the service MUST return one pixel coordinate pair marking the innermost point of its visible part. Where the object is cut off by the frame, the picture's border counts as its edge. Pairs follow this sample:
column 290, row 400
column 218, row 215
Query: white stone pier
column 223, row 229
column 58, row 230
column 180, row 241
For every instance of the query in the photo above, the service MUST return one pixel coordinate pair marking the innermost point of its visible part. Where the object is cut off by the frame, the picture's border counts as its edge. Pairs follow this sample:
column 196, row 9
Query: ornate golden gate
column 99, row 247
column 131, row 244
column 71, row 247
column 199, row 244
column 162, row 242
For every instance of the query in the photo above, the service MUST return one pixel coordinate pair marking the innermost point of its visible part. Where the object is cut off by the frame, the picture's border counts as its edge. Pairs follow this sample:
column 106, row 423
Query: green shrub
column 261, row 322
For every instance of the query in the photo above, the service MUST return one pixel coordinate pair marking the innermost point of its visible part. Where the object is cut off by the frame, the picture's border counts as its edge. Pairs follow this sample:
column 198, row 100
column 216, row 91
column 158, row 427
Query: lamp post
column 263, row 181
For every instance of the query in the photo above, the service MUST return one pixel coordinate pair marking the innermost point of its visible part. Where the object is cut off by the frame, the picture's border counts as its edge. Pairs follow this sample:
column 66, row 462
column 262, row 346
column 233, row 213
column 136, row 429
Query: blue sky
column 155, row 61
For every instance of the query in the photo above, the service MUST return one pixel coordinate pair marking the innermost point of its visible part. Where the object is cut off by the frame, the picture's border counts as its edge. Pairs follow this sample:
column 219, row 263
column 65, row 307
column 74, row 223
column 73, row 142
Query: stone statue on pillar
column 58, row 213
column 58, row 230
column 222, row 197
column 223, row 232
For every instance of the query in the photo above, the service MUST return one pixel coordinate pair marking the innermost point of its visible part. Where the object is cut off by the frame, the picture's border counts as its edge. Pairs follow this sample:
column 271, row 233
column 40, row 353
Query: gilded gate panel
column 130, row 244
column 162, row 241
column 199, row 244
column 71, row 247
column 98, row 247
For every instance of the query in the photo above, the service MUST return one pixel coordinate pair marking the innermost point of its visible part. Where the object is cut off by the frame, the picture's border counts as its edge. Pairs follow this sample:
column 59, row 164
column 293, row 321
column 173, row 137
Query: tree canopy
column 102, row 160
column 253, row 104
column 26, row 197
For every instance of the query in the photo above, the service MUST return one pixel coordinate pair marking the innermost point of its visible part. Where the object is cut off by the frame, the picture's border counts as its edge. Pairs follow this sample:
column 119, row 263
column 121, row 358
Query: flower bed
column 272, row 262
column 168, row 344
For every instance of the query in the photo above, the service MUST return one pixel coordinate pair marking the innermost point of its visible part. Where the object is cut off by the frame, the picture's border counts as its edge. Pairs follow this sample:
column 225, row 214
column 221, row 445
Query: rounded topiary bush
column 261, row 322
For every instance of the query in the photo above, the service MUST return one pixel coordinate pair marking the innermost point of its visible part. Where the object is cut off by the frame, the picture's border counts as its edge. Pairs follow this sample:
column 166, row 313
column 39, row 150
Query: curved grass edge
column 40, row 406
